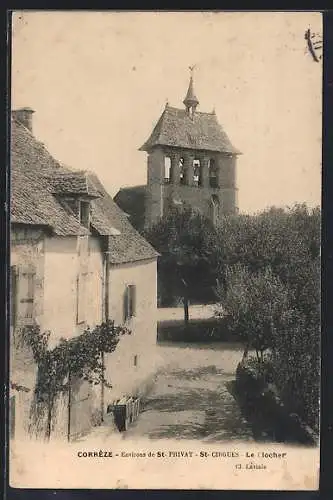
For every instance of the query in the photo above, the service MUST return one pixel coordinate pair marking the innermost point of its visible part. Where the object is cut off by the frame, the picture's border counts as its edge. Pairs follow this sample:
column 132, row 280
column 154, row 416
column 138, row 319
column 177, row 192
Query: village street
column 193, row 396
column 190, row 398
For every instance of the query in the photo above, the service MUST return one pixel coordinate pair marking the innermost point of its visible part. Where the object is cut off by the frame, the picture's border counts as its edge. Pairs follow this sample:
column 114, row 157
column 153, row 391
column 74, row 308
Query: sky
column 99, row 81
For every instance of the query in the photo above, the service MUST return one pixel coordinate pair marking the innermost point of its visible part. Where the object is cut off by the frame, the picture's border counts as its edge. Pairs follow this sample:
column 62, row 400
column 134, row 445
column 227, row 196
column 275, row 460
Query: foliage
column 267, row 270
column 284, row 240
column 269, row 284
column 186, row 241
column 256, row 304
column 296, row 353
column 78, row 357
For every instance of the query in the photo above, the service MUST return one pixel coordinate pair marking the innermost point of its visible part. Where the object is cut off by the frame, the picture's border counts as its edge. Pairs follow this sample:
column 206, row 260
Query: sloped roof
column 32, row 201
column 75, row 183
column 201, row 131
column 35, row 174
column 129, row 246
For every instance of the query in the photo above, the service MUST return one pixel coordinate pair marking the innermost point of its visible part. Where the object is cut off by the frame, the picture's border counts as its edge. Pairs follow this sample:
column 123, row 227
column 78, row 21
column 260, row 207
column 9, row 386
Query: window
column 85, row 213
column 129, row 302
column 182, row 172
column 167, row 170
column 81, row 310
column 135, row 360
column 197, row 173
column 27, row 286
column 22, row 295
column 213, row 180
column 74, row 205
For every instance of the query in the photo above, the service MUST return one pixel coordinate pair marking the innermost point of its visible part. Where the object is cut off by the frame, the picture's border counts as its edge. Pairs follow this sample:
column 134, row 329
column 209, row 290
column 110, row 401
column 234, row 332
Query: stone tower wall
column 162, row 193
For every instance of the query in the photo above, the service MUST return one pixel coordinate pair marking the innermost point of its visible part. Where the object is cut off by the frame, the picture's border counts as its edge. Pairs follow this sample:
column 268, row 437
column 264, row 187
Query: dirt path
column 191, row 398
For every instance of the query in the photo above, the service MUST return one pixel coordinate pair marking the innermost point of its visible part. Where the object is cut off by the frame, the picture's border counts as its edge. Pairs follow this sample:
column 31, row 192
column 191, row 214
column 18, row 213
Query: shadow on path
column 192, row 404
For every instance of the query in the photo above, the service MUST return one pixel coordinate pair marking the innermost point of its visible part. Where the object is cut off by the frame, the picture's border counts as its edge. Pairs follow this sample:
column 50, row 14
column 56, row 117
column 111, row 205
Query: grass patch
column 199, row 330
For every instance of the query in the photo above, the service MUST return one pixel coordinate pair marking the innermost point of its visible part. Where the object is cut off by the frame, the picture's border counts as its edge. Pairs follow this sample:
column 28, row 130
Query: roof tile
column 201, row 131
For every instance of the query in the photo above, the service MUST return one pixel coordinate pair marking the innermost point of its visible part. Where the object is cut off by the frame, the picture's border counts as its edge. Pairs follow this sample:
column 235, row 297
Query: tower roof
column 201, row 131
column 190, row 98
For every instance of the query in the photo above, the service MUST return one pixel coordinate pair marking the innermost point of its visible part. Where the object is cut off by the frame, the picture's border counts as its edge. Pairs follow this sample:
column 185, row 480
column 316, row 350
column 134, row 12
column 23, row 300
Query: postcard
column 165, row 250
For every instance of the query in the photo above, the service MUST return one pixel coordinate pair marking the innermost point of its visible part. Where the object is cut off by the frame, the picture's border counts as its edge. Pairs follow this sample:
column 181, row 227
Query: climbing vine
column 79, row 357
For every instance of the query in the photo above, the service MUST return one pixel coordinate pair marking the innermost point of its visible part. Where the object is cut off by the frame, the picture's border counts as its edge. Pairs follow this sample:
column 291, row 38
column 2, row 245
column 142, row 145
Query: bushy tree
column 186, row 241
column 296, row 352
column 256, row 304
column 284, row 239
column 269, row 274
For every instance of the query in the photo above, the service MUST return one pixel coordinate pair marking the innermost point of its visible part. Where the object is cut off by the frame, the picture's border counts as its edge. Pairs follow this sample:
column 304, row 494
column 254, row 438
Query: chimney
column 24, row 116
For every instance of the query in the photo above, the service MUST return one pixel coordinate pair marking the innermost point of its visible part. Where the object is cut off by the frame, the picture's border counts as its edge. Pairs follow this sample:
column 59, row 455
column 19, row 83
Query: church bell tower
column 191, row 162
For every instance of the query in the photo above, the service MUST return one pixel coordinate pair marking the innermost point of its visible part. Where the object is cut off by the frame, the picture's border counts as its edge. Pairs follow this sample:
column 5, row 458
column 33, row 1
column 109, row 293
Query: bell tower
column 191, row 162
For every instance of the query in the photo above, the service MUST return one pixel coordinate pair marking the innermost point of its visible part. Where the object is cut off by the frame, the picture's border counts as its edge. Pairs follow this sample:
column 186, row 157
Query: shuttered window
column 129, row 302
column 22, row 295
column 27, row 289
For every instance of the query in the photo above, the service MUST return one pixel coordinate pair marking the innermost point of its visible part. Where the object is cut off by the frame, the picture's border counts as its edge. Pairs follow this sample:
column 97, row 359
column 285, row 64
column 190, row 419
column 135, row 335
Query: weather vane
column 191, row 68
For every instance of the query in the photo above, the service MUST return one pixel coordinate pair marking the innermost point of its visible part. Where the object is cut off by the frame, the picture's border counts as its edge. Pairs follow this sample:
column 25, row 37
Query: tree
column 255, row 304
column 286, row 240
column 268, row 268
column 186, row 241
column 296, row 350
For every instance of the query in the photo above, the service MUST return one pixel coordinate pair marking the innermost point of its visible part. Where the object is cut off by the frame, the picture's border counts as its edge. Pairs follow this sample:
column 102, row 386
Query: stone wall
column 194, row 190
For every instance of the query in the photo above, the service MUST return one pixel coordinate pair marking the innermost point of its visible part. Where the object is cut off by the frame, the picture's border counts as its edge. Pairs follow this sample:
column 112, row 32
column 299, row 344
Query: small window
column 135, row 360
column 182, row 172
column 85, row 213
column 213, row 180
column 74, row 205
column 129, row 302
column 197, row 173
column 167, row 170
column 81, row 300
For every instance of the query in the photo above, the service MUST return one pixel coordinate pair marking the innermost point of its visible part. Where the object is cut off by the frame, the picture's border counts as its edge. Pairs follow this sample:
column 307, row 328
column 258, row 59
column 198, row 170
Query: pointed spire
column 191, row 101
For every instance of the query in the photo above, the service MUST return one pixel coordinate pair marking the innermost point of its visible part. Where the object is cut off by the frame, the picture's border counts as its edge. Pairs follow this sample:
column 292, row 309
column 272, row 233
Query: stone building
column 76, row 261
column 191, row 162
